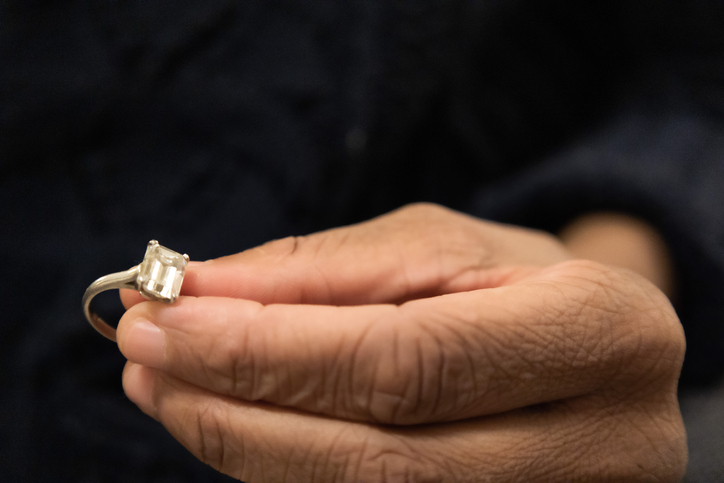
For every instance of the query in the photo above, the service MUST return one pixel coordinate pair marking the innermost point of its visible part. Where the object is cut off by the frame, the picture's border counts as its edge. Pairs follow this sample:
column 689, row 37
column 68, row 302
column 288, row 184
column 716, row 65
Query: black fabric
column 215, row 126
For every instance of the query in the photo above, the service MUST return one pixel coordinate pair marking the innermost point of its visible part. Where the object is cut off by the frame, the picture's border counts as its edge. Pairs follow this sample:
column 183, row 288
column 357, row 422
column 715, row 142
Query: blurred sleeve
column 659, row 155
column 667, row 169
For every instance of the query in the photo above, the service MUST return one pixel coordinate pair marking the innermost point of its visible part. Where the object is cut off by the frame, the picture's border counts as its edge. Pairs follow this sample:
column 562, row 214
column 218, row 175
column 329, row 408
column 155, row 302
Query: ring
column 158, row 277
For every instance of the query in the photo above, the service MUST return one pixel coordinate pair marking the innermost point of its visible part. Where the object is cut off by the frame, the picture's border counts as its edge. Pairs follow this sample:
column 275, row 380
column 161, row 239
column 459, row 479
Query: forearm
column 624, row 241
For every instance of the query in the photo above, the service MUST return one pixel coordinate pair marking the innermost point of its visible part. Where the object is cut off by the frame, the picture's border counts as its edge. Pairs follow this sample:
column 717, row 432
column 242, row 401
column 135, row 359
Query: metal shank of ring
column 118, row 280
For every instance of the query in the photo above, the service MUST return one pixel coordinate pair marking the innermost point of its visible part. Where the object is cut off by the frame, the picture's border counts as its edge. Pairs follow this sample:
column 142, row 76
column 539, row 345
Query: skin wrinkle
column 631, row 347
column 353, row 360
column 235, row 361
column 379, row 400
column 438, row 258
column 240, row 450
column 420, row 381
column 310, row 456
column 351, row 460
column 271, row 374
column 284, row 370
column 480, row 351
column 321, row 393
column 574, row 346
column 201, row 440
column 410, row 393
column 474, row 393
column 358, row 461
column 303, row 461
column 589, row 434
column 337, row 394
column 524, row 351
column 386, row 454
column 230, row 351
column 319, row 243
column 425, row 376
column 498, row 372
column 566, row 336
column 383, row 472
column 594, row 345
column 664, row 378
column 596, row 360
column 611, row 421
column 413, row 450
column 210, row 442
column 442, row 370
column 396, row 364
column 383, row 405
column 544, row 451
column 373, row 396
column 634, row 423
column 281, row 378
column 222, row 446
column 444, row 323
column 294, row 243
column 249, row 357
column 285, row 471
column 325, row 285
column 407, row 285
column 598, row 438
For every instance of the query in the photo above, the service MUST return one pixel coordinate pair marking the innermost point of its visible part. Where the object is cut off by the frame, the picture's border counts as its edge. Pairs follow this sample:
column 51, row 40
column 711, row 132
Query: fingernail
column 145, row 344
column 138, row 386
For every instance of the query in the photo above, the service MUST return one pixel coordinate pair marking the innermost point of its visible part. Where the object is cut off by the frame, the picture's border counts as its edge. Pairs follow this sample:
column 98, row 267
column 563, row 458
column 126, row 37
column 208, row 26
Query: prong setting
column 158, row 277
column 161, row 273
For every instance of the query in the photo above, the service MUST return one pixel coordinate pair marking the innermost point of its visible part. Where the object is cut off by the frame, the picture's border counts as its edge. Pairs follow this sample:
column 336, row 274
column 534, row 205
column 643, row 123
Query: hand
column 326, row 358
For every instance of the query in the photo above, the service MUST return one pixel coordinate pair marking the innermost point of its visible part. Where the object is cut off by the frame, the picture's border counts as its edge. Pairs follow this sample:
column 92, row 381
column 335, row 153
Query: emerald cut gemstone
column 161, row 273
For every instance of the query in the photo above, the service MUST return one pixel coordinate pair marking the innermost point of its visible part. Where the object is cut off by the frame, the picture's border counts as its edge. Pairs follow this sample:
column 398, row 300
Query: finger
column 256, row 442
column 417, row 251
column 569, row 331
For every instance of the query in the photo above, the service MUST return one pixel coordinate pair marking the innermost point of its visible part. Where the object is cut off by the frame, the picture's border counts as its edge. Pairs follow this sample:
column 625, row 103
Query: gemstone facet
column 161, row 273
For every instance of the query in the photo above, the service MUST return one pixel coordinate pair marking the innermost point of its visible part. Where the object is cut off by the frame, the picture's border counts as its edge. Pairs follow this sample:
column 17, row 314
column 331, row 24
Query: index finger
column 564, row 333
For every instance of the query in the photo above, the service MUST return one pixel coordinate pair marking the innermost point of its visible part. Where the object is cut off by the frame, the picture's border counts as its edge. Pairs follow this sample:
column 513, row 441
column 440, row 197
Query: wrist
column 623, row 241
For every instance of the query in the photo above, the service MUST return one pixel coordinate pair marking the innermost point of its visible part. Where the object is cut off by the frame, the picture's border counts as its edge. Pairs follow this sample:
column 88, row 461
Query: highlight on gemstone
column 161, row 273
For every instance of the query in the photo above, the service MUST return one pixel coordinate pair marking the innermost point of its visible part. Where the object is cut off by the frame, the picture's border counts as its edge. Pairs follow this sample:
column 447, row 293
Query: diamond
column 161, row 273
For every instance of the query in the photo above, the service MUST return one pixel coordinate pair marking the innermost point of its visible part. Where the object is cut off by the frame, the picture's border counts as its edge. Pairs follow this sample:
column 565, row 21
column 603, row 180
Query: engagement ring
column 158, row 277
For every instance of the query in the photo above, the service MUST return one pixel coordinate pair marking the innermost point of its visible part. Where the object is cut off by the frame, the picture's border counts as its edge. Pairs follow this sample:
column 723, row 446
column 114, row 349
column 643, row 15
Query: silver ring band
column 158, row 277
column 119, row 280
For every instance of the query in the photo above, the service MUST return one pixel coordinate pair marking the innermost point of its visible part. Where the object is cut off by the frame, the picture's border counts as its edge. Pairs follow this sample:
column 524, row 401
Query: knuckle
column 652, row 336
column 209, row 441
column 385, row 457
column 646, row 338
column 398, row 399
column 419, row 376
column 282, row 247
column 423, row 209
column 669, row 453
column 389, row 363
column 646, row 442
column 228, row 364
column 241, row 366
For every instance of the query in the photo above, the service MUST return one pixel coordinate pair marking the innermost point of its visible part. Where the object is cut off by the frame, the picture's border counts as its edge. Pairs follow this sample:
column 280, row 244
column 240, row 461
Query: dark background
column 216, row 126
